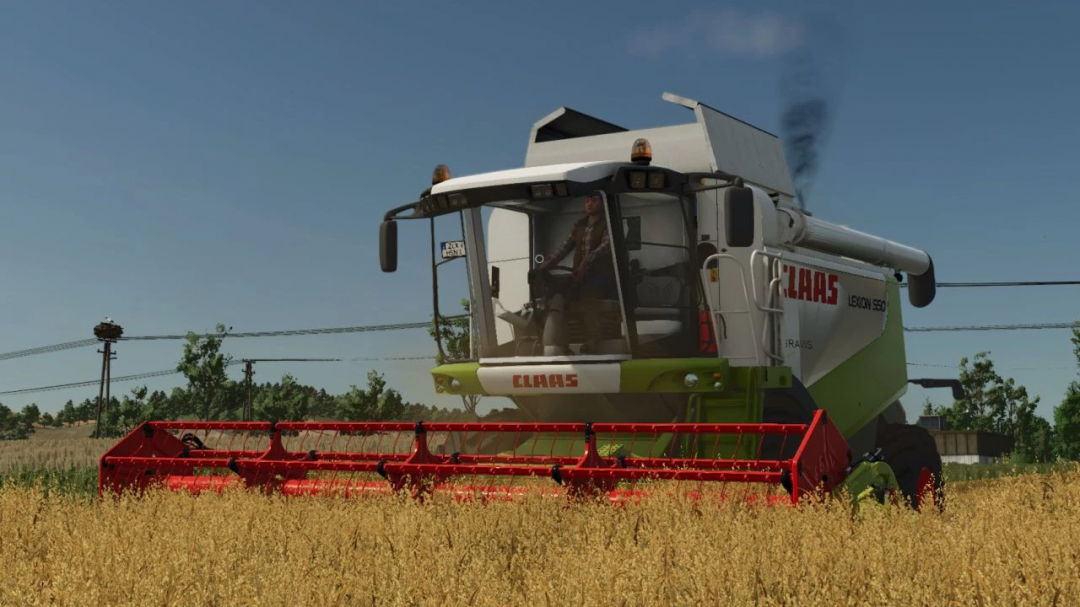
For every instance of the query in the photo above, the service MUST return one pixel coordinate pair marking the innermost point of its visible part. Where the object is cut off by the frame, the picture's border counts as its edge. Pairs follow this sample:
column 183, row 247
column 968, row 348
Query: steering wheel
column 566, row 269
column 544, row 281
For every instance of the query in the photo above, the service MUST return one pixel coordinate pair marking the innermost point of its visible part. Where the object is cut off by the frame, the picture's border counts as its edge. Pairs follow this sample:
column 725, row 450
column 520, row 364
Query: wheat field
column 1010, row 541
column 52, row 453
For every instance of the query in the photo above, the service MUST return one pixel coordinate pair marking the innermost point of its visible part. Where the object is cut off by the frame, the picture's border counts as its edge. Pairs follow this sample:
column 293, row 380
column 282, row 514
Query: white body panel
column 509, row 248
column 831, row 312
column 574, row 171
column 551, row 378
column 680, row 148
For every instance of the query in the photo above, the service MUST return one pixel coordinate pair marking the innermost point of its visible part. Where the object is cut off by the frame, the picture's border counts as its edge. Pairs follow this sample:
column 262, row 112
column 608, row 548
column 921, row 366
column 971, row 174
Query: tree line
column 992, row 403
column 210, row 395
column 283, row 400
column 995, row 404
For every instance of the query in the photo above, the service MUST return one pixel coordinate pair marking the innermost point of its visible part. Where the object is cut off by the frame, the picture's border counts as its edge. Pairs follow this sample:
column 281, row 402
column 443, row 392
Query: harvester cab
column 657, row 307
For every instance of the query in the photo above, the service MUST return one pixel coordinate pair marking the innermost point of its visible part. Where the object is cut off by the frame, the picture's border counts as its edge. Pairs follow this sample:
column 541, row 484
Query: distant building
column 966, row 446
column 933, row 422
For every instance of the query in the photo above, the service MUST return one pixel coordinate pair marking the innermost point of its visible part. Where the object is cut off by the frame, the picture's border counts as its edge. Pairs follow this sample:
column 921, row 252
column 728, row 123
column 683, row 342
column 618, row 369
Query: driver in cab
column 593, row 275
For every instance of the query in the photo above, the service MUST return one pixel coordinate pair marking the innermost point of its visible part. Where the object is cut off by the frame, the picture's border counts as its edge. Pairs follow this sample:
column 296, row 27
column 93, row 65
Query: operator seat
column 660, row 302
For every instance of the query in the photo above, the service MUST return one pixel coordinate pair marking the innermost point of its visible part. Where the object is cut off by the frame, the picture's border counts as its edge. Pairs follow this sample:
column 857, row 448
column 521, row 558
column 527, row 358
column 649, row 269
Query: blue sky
column 177, row 165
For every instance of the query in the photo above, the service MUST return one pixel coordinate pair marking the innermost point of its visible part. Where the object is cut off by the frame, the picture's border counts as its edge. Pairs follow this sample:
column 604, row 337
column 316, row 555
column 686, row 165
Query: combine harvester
column 718, row 334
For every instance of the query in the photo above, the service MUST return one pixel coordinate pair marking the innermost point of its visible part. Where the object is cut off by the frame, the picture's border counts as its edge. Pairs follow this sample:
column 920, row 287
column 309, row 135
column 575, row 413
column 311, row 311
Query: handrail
column 716, row 314
column 772, row 314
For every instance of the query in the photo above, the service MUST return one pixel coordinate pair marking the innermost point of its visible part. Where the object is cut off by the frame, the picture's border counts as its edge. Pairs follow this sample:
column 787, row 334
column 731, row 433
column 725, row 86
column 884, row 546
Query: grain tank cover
column 740, row 148
column 715, row 141
column 565, row 123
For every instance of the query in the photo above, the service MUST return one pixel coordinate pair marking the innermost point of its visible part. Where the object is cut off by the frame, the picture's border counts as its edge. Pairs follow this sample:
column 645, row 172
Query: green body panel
column 667, row 374
column 853, row 394
column 731, row 407
column 654, row 375
column 868, row 483
column 464, row 373
column 860, row 388
column 739, row 399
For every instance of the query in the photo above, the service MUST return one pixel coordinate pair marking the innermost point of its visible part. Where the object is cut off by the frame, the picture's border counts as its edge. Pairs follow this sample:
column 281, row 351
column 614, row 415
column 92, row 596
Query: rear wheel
column 913, row 456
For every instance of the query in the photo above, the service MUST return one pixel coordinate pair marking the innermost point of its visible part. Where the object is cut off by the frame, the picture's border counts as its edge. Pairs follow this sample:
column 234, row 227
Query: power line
column 82, row 343
column 94, row 382
column 283, row 333
column 174, row 371
column 166, row 372
column 996, row 367
column 290, row 360
column 392, row 358
column 991, row 327
column 1032, row 283
column 291, row 332
column 421, row 325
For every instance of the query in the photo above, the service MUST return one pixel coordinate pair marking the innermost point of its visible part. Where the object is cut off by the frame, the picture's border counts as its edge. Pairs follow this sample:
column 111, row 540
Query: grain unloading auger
column 694, row 293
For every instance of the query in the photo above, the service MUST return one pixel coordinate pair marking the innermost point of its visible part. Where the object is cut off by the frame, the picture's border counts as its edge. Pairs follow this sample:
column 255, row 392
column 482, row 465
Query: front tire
column 913, row 456
column 781, row 408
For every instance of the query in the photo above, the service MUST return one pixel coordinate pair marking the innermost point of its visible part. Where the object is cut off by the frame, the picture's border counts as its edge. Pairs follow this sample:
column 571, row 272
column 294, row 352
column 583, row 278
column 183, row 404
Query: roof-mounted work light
column 442, row 173
column 641, row 153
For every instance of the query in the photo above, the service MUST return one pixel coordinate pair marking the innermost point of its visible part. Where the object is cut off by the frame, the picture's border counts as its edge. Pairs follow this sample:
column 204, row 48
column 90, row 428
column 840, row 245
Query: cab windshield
column 564, row 282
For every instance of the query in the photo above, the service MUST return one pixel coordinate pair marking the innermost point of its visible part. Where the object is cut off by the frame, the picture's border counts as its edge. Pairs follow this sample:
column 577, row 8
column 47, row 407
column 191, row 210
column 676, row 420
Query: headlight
column 543, row 190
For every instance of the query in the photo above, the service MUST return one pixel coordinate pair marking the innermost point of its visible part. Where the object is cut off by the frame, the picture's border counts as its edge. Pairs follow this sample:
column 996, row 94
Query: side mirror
column 388, row 246
column 739, row 216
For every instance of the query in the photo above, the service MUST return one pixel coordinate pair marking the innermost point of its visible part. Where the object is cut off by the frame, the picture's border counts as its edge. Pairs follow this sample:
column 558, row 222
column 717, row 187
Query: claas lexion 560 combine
column 700, row 327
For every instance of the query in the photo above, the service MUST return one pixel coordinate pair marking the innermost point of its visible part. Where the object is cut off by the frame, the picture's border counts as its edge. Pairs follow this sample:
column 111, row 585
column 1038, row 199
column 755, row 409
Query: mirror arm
column 395, row 212
column 728, row 177
column 706, row 188
column 713, row 175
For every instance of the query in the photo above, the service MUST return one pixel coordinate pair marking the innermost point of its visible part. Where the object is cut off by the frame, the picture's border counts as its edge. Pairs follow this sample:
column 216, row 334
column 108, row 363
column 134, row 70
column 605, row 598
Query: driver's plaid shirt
column 590, row 257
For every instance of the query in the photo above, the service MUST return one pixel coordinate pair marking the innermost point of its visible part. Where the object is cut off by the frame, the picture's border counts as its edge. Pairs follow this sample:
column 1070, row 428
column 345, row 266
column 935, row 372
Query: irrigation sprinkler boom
column 659, row 278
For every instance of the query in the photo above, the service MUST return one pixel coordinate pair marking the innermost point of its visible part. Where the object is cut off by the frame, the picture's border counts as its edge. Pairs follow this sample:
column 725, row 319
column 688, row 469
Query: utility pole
column 249, row 370
column 107, row 332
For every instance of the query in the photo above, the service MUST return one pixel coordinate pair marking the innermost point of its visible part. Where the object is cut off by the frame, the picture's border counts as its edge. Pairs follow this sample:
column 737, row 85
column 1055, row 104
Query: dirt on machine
column 657, row 307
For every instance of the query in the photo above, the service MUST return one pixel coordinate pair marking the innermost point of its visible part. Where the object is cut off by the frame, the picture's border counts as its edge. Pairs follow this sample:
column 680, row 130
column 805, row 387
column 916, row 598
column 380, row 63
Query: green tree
column 85, row 411
column 1039, row 446
column 355, row 405
column 1067, row 414
column 204, row 367
column 283, row 401
column 18, row 426
column 160, row 407
column 180, row 403
column 48, row 420
column 7, row 422
column 30, row 415
column 322, row 403
column 376, row 402
column 67, row 415
column 996, row 404
column 456, row 340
